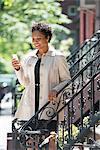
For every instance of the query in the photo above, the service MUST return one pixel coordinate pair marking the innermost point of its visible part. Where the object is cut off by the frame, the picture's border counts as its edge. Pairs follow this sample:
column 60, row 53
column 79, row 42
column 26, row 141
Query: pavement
column 5, row 123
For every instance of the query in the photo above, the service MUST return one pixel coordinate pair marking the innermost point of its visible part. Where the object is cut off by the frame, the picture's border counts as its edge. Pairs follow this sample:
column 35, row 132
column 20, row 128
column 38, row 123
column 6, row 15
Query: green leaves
column 16, row 18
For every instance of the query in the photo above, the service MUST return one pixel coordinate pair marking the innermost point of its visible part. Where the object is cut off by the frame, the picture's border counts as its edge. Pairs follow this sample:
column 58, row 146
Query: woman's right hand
column 16, row 64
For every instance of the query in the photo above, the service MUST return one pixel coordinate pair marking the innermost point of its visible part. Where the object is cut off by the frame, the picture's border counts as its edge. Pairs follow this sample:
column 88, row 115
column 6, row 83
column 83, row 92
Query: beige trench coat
column 53, row 71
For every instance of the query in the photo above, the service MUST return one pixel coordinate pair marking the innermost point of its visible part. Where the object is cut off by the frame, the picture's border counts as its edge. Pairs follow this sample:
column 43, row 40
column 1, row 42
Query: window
column 88, row 3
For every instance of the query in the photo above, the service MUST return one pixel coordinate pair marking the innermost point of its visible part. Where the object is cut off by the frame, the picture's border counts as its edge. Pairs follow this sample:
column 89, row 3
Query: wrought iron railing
column 83, row 54
column 81, row 105
column 82, row 135
column 78, row 97
column 74, row 101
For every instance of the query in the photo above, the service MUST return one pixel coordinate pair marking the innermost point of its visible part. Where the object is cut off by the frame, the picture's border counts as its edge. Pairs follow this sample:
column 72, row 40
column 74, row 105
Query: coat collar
column 50, row 52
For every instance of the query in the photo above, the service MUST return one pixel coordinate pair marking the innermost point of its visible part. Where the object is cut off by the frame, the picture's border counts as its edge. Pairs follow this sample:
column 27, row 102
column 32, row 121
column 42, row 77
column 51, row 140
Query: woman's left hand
column 52, row 95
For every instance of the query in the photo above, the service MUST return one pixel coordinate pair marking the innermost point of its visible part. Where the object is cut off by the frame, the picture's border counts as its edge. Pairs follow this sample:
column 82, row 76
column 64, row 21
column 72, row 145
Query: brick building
column 85, row 16
column 89, row 18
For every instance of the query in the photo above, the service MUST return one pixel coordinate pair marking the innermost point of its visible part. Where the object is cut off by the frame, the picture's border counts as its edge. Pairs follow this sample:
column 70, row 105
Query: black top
column 37, row 84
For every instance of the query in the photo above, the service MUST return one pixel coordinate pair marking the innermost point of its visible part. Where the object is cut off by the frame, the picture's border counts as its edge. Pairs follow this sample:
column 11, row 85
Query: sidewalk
column 5, row 123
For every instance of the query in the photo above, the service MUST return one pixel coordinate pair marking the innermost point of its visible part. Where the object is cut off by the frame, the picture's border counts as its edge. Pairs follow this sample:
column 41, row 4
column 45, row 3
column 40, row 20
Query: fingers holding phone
column 15, row 62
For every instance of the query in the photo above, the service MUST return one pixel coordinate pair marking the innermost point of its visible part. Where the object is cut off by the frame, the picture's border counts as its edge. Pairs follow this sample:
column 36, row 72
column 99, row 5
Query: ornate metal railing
column 83, row 54
column 78, row 96
column 82, row 135
column 85, row 94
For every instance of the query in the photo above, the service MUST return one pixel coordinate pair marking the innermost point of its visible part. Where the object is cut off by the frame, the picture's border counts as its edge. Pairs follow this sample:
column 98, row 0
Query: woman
column 42, row 73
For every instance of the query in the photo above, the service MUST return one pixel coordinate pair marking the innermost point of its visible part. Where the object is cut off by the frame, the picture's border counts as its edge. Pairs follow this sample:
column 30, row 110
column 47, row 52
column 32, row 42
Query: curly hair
column 44, row 28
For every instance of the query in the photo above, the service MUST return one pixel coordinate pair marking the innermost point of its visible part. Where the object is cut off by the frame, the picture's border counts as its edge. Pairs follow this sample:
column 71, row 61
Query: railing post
column 81, row 103
column 52, row 141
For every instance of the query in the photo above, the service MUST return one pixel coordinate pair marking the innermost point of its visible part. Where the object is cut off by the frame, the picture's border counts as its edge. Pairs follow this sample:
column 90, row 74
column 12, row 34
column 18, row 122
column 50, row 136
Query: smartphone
column 15, row 56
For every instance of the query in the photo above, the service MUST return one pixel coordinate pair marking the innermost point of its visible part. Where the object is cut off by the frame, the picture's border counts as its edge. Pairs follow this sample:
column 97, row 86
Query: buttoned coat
column 53, row 71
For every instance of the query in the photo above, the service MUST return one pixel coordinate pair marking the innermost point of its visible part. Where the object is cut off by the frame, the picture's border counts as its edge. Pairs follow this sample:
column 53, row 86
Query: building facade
column 85, row 16
column 71, row 9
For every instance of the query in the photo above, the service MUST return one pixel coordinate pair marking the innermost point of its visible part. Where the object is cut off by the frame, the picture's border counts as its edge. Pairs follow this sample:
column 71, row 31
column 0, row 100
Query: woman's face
column 40, row 41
